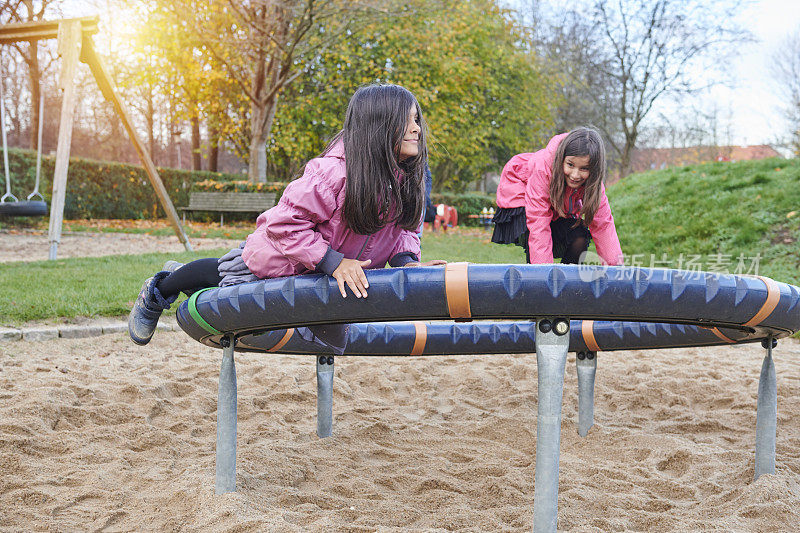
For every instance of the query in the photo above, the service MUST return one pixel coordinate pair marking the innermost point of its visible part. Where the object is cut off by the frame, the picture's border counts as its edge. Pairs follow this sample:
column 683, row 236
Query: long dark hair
column 374, row 127
column 579, row 142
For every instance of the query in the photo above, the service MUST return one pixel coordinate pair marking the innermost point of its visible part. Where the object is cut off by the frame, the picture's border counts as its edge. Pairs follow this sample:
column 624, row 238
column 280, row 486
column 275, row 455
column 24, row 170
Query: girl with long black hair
column 356, row 206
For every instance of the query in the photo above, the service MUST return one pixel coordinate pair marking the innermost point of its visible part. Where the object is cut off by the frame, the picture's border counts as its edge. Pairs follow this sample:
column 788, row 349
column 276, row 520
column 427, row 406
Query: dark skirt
column 511, row 227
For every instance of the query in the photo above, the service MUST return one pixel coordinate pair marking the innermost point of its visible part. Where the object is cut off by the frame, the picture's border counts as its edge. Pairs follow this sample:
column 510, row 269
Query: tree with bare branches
column 572, row 55
column 786, row 64
column 661, row 47
column 617, row 60
column 15, row 11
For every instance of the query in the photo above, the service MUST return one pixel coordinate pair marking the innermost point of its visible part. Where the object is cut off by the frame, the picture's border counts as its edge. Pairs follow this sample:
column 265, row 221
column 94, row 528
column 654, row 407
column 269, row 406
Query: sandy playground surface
column 32, row 245
column 101, row 435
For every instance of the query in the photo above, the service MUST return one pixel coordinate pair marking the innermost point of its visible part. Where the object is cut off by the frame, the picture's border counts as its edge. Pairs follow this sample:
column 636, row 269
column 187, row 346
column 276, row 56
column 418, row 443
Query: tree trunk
column 257, row 165
column 261, row 121
column 117, row 151
column 213, row 146
column 197, row 158
column 625, row 159
column 151, row 125
column 173, row 141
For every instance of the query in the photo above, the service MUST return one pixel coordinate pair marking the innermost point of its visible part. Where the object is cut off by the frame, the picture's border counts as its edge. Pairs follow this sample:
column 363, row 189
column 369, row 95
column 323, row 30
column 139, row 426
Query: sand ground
column 32, row 245
column 101, row 435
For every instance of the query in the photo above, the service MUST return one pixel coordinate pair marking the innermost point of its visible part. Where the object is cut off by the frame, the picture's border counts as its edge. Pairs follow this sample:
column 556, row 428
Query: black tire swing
column 9, row 204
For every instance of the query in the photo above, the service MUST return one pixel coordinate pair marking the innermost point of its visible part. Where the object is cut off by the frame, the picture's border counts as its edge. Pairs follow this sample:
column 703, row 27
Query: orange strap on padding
column 284, row 340
column 420, row 338
column 773, row 297
column 721, row 335
column 587, row 330
column 456, row 288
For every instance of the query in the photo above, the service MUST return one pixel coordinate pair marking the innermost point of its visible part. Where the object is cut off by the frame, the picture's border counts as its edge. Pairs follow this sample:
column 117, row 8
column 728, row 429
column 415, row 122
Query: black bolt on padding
column 765, row 343
column 589, row 355
column 581, row 356
column 330, row 359
column 545, row 326
column 322, row 359
column 561, row 327
column 225, row 342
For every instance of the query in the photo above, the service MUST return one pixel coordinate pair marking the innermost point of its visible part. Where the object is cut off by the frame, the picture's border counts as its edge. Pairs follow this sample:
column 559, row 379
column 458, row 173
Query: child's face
column 410, row 145
column 576, row 170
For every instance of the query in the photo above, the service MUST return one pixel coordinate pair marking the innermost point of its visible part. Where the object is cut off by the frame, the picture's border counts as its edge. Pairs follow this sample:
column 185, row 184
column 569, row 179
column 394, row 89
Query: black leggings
column 191, row 277
column 574, row 250
column 569, row 240
column 571, row 256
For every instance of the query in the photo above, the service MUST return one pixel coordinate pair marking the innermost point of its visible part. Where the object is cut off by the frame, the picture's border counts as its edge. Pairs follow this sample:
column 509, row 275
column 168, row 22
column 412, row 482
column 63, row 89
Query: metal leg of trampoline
column 324, row 396
column 226, row 421
column 552, row 344
column 766, row 415
column 586, row 365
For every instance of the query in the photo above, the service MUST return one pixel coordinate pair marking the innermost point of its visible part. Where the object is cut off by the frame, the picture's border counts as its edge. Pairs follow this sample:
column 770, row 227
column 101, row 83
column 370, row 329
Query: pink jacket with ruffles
column 525, row 181
column 305, row 233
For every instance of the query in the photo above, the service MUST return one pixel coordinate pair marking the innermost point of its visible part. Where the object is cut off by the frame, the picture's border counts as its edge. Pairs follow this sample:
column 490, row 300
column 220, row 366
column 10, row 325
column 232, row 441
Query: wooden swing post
column 75, row 44
column 69, row 41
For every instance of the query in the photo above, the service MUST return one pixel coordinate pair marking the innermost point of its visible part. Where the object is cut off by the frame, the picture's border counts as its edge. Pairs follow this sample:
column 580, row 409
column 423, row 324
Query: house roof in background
column 654, row 158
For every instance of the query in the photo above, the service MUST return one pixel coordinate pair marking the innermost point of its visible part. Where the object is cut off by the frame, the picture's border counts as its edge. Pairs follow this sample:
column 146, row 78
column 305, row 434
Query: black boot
column 147, row 309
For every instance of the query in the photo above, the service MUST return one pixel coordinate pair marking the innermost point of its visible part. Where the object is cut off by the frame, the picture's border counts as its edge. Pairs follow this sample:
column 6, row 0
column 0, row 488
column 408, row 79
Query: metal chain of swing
column 9, row 204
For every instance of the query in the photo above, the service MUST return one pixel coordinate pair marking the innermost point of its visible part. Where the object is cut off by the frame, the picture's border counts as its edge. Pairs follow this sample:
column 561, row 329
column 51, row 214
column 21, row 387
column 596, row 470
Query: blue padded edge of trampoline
column 663, row 307
column 398, row 338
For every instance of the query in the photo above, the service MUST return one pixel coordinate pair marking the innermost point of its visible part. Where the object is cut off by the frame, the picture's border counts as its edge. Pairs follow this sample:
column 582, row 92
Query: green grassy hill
column 723, row 217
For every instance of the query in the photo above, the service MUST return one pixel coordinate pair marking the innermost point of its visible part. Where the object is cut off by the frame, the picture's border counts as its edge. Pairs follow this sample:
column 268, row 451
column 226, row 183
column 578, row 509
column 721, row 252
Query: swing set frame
column 75, row 44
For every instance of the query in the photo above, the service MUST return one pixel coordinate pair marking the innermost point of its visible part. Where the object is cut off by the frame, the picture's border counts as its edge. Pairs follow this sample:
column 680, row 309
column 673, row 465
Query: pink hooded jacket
column 525, row 181
column 305, row 233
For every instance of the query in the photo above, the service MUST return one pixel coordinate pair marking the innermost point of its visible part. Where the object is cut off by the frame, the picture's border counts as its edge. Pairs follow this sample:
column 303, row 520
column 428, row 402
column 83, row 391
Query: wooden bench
column 241, row 202
column 486, row 220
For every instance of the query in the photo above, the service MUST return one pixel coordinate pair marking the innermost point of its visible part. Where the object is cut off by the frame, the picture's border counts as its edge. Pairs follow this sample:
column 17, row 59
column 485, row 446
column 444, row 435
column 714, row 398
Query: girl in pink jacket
column 553, row 202
column 356, row 206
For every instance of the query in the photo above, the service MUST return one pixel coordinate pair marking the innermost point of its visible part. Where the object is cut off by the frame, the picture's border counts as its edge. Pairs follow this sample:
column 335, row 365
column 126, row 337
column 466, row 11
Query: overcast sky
column 755, row 103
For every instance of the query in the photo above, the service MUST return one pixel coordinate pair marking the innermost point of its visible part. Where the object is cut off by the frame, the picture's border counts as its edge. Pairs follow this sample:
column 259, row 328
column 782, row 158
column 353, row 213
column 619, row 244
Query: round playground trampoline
column 547, row 309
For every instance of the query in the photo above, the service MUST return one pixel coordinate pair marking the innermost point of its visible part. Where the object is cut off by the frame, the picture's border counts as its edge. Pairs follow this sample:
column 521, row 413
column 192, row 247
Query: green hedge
column 101, row 189
column 241, row 186
column 466, row 204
